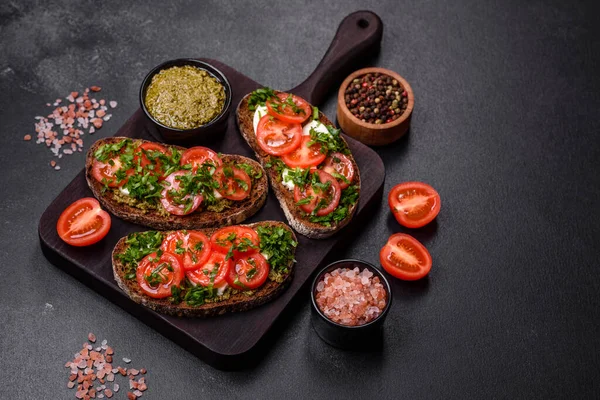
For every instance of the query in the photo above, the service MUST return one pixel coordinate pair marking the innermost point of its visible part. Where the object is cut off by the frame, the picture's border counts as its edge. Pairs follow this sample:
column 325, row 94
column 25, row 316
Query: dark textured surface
column 505, row 127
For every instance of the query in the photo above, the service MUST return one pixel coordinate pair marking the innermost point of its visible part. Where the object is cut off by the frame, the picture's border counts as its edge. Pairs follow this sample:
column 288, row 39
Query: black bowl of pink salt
column 351, row 299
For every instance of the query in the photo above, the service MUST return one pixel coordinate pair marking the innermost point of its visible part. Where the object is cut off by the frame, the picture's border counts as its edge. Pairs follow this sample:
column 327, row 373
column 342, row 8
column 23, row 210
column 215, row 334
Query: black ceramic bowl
column 202, row 133
column 349, row 337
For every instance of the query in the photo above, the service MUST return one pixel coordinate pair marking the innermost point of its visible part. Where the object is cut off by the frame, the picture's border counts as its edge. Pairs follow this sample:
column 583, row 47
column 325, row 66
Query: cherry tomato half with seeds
column 304, row 156
column 157, row 275
column 234, row 183
column 276, row 137
column 174, row 204
column 289, row 108
column 340, row 167
column 311, row 196
column 83, row 223
column 214, row 271
column 248, row 272
column 414, row 204
column 199, row 155
column 405, row 257
column 244, row 239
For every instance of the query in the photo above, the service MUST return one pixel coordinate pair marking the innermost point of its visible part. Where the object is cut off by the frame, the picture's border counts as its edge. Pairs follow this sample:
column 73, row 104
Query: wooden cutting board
column 227, row 341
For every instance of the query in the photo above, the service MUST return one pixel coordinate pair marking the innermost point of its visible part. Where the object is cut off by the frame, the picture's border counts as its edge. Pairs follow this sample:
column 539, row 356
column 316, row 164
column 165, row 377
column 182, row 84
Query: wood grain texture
column 372, row 134
column 225, row 341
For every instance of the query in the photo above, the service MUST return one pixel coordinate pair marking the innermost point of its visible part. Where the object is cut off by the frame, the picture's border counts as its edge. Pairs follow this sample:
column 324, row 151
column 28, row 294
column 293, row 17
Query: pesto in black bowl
column 187, row 100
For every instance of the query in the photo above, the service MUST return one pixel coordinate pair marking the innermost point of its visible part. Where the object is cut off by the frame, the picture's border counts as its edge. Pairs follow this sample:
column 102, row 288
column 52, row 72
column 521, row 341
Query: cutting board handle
column 358, row 37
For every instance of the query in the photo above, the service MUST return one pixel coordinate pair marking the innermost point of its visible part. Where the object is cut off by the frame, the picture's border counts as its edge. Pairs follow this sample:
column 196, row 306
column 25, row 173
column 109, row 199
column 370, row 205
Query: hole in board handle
column 363, row 23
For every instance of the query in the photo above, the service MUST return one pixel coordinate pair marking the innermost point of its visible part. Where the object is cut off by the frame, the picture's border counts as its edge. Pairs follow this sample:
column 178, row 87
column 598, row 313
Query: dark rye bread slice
column 292, row 212
column 240, row 211
column 235, row 303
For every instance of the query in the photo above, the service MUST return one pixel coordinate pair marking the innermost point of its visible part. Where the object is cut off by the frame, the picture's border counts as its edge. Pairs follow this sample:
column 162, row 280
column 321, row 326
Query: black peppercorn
column 376, row 98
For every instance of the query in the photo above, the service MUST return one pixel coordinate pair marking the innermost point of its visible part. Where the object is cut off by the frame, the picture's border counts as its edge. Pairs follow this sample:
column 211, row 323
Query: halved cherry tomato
column 248, row 272
column 245, row 240
column 414, row 204
column 340, row 164
column 105, row 172
column 83, row 223
column 148, row 153
column 234, row 183
column 310, row 197
column 405, row 257
column 289, row 108
column 157, row 275
column 199, row 155
column 277, row 137
column 206, row 274
column 172, row 204
column 304, row 156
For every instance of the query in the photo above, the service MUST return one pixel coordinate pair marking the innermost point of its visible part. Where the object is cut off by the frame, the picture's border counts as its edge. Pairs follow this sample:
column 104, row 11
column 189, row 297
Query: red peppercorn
column 365, row 84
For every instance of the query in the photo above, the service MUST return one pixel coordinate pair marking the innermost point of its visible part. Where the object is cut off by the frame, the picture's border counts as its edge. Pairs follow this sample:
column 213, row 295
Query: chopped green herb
column 348, row 198
column 176, row 297
column 250, row 171
column 330, row 142
column 304, row 201
column 259, row 97
column 110, row 150
column 139, row 245
column 250, row 274
column 241, row 183
column 278, row 244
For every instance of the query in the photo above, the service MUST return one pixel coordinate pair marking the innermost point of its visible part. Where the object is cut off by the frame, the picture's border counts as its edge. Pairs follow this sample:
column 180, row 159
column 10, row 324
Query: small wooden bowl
column 373, row 134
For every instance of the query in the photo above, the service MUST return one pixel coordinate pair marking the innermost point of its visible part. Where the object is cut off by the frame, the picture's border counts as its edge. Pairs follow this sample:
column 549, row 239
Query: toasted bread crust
column 235, row 303
column 241, row 210
column 302, row 225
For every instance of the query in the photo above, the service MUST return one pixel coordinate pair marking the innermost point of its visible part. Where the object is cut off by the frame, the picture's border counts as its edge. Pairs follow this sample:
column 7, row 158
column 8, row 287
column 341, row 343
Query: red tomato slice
column 105, row 173
column 289, row 108
column 184, row 206
column 304, row 156
column 327, row 200
column 245, row 240
column 248, row 272
column 148, row 152
column 174, row 243
column 277, row 137
column 405, row 257
column 234, row 183
column 83, row 223
column 157, row 275
column 206, row 273
column 340, row 164
column 199, row 155
column 414, row 204
column 197, row 250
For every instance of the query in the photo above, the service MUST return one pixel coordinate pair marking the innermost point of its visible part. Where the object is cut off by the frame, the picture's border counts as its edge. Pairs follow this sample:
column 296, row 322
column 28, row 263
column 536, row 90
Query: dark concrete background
column 505, row 127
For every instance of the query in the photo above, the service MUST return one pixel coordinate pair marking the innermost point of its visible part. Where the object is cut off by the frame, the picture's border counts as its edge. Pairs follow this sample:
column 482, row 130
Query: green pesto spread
column 184, row 97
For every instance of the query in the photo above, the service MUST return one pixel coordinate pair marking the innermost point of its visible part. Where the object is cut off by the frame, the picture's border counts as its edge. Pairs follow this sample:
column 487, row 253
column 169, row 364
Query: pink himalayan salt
column 351, row 297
